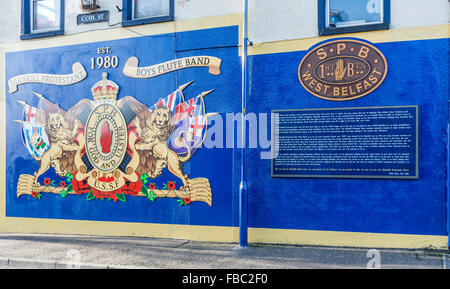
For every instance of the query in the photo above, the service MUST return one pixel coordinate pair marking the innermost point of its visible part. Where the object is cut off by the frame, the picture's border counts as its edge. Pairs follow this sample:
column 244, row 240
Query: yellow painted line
column 345, row 239
column 222, row 234
column 102, row 228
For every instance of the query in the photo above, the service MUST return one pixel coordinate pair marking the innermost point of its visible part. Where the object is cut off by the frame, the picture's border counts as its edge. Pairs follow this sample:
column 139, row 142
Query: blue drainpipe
column 448, row 184
column 243, row 225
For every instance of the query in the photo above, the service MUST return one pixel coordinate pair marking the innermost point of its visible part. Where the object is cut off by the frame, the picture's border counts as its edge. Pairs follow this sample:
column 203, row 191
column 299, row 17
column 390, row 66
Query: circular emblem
column 106, row 137
column 342, row 69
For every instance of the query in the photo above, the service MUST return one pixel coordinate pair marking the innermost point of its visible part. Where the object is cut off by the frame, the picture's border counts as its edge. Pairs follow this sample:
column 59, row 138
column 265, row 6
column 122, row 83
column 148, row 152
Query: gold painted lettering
column 340, row 47
column 363, row 52
column 321, row 53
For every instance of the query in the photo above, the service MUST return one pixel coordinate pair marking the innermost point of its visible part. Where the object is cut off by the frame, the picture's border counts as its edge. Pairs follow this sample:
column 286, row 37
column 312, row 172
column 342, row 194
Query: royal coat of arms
column 107, row 148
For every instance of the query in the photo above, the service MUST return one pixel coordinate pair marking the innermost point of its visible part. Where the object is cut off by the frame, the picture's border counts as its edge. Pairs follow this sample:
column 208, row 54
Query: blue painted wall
column 417, row 75
column 221, row 43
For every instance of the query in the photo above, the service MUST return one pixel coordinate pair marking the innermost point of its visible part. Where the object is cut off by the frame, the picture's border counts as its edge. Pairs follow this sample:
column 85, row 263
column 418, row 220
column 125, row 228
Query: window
column 136, row 12
column 42, row 18
column 347, row 16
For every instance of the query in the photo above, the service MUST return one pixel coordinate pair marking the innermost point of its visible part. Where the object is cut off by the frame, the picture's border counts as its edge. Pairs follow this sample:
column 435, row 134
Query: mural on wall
column 108, row 148
column 131, row 145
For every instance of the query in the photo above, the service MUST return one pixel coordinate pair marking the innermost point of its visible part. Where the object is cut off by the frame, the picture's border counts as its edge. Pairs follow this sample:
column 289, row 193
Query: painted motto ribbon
column 78, row 74
column 131, row 68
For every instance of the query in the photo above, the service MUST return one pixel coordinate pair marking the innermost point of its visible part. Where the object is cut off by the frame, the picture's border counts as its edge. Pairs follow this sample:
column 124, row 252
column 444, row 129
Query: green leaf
column 121, row 197
column 90, row 196
column 152, row 196
column 144, row 191
column 181, row 202
column 63, row 193
column 69, row 188
column 69, row 177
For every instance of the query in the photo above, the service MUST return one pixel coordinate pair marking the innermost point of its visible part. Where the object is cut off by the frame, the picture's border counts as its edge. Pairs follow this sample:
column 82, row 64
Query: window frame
column 128, row 18
column 327, row 30
column 27, row 31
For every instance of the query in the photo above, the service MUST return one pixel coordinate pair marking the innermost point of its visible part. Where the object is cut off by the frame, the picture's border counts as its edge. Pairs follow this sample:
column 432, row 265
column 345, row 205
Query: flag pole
column 243, row 224
column 38, row 95
column 182, row 87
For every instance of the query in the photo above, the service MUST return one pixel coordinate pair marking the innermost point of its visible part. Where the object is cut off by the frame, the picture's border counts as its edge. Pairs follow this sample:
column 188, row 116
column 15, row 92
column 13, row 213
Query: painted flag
column 190, row 125
column 35, row 139
column 32, row 114
column 48, row 106
column 177, row 141
column 198, row 107
column 172, row 99
column 180, row 112
column 29, row 114
column 187, row 109
column 188, row 135
column 196, row 125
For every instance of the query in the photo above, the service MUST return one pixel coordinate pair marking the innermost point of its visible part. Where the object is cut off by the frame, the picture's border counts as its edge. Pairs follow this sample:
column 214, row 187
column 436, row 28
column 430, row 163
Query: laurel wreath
column 148, row 190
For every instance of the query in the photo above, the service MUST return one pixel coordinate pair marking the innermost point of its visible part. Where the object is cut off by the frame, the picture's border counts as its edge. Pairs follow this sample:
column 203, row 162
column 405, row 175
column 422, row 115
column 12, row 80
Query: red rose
column 100, row 194
column 187, row 201
column 34, row 194
column 171, row 185
column 80, row 187
column 152, row 186
column 47, row 182
column 132, row 188
column 62, row 184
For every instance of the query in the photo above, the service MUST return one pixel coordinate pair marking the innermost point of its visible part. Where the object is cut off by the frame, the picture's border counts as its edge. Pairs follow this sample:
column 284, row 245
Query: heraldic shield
column 107, row 148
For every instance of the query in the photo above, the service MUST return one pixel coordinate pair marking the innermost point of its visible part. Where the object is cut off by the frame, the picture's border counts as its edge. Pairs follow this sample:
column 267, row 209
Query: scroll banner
column 131, row 68
column 78, row 74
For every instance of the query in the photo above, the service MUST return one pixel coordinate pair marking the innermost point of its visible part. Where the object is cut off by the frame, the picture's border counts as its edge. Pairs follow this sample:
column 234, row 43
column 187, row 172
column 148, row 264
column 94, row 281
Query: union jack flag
column 172, row 99
column 188, row 109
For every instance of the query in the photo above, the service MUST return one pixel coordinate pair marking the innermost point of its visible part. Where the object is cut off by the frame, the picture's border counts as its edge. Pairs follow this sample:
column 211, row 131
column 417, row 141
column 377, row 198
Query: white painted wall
column 282, row 20
column 269, row 20
column 292, row 19
column 10, row 14
column 73, row 8
column 189, row 9
column 411, row 13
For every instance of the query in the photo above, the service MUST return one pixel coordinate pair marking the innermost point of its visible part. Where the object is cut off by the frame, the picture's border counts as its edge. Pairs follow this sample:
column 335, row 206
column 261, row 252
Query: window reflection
column 151, row 8
column 45, row 15
column 354, row 12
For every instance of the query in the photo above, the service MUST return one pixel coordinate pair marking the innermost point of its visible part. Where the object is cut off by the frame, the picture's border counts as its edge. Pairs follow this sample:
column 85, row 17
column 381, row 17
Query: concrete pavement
column 75, row 251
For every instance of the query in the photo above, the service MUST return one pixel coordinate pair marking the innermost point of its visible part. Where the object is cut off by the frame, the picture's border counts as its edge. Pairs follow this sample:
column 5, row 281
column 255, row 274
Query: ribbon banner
column 78, row 74
column 131, row 68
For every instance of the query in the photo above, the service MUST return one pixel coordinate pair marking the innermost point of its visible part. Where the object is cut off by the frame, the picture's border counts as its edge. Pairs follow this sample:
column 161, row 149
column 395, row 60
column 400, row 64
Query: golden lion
column 62, row 147
column 154, row 153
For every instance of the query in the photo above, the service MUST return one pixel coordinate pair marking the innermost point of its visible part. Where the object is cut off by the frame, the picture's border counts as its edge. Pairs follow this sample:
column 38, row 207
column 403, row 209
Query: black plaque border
column 415, row 177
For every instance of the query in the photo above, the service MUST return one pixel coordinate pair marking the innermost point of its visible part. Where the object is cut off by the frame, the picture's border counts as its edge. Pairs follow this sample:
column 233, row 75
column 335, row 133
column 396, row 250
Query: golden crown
column 105, row 89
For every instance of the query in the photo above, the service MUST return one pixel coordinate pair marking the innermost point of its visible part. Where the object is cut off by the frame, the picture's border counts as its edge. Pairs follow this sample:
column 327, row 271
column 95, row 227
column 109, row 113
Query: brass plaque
column 342, row 70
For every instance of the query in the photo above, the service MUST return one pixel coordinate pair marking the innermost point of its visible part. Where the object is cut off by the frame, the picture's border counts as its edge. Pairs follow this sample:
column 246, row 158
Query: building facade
column 126, row 118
